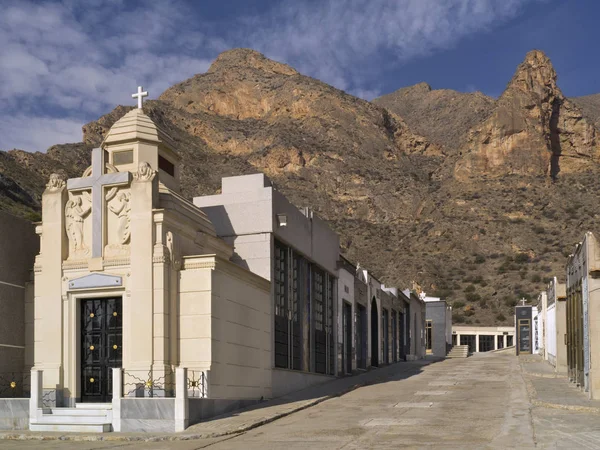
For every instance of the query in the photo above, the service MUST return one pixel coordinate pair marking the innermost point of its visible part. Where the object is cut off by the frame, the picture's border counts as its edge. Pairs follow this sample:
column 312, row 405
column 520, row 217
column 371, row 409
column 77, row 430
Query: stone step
column 93, row 406
column 78, row 412
column 71, row 427
column 48, row 419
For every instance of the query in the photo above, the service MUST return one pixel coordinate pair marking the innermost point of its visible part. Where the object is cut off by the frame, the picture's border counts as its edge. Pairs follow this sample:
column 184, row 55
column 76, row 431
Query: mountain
column 407, row 180
column 444, row 116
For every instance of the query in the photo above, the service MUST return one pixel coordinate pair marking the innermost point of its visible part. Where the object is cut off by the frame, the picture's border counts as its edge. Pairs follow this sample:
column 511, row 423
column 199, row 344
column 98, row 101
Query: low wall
column 200, row 409
column 148, row 414
column 14, row 413
column 286, row 381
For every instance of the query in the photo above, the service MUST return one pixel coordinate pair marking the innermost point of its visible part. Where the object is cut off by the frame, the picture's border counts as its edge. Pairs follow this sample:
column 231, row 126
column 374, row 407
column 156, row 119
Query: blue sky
column 64, row 63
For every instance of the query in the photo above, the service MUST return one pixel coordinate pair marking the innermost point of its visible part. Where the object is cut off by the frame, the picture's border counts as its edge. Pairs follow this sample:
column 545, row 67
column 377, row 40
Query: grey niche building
column 438, row 326
column 18, row 246
column 298, row 253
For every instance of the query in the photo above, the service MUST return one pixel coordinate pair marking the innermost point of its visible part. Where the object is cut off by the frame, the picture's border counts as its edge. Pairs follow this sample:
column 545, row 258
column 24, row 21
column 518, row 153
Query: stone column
column 504, row 340
column 117, row 390
column 495, row 342
column 138, row 310
column 162, row 255
column 37, row 390
column 48, row 313
column 181, row 399
column 476, row 343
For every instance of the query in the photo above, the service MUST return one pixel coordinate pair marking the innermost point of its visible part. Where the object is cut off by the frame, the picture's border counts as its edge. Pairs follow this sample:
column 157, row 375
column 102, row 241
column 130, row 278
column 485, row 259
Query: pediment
column 95, row 280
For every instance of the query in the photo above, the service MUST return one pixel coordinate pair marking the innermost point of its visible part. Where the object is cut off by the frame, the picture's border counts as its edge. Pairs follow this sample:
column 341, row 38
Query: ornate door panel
column 101, row 347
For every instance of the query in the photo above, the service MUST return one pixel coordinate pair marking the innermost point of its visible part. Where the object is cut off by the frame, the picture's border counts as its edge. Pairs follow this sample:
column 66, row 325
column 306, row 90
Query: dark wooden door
column 347, row 336
column 320, row 326
column 361, row 337
column 101, row 347
column 374, row 334
column 401, row 332
column 394, row 337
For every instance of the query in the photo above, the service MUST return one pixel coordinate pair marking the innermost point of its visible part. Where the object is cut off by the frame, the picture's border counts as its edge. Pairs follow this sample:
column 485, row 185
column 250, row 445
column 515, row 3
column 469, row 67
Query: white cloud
column 341, row 42
column 80, row 59
column 39, row 133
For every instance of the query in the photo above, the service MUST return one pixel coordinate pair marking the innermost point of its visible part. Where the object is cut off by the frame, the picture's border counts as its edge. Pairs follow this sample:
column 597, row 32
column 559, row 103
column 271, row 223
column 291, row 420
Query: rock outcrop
column 444, row 116
column 533, row 130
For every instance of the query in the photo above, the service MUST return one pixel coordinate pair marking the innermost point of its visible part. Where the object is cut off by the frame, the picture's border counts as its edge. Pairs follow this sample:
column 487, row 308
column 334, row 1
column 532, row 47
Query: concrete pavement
column 492, row 401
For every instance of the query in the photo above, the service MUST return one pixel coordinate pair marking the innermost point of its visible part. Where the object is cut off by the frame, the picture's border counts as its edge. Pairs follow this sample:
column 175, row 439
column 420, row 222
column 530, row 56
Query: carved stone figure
column 55, row 182
column 170, row 245
column 122, row 209
column 74, row 215
column 145, row 172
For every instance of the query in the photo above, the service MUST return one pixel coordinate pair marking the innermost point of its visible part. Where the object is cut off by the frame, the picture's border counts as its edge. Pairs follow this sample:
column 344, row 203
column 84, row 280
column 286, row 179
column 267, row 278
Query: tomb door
column 101, row 349
column 282, row 311
column 385, row 337
column 394, row 337
column 347, row 337
column 320, row 325
column 374, row 334
column 361, row 337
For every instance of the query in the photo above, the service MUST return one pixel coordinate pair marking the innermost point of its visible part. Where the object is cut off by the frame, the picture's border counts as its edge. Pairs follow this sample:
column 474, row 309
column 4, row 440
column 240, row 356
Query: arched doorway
column 374, row 333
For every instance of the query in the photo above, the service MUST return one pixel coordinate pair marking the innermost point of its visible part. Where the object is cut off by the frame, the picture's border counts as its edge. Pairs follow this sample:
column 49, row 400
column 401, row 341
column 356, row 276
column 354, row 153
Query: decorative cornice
column 205, row 264
column 161, row 259
column 112, row 262
column 75, row 264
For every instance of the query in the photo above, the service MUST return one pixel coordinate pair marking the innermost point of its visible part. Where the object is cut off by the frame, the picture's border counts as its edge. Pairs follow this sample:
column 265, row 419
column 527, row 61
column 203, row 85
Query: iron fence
column 197, row 384
column 153, row 384
column 15, row 384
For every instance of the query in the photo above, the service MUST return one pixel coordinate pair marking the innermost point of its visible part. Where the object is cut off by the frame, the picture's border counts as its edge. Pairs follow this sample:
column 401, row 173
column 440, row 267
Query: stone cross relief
column 75, row 212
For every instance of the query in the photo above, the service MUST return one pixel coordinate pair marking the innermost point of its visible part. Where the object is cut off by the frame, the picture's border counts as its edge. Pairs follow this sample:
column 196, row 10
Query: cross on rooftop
column 523, row 301
column 97, row 181
column 140, row 96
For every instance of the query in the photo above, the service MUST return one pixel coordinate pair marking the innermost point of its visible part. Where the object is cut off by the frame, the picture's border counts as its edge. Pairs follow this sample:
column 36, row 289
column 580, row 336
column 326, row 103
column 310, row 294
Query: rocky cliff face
column 533, row 129
column 383, row 173
column 444, row 116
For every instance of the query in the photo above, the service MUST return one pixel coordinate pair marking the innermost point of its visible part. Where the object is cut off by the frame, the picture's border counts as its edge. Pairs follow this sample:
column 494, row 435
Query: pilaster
column 48, row 314
column 138, row 311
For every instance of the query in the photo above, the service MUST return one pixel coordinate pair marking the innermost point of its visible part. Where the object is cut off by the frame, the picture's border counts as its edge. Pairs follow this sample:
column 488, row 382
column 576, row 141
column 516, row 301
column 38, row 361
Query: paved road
column 479, row 402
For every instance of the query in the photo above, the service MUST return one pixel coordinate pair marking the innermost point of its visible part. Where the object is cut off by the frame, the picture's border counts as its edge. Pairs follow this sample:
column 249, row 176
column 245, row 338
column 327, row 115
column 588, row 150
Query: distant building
column 438, row 326
column 483, row 339
column 523, row 322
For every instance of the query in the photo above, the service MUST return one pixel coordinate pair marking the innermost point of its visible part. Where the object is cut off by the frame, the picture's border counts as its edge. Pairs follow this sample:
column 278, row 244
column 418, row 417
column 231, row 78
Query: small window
column 122, row 158
column 165, row 165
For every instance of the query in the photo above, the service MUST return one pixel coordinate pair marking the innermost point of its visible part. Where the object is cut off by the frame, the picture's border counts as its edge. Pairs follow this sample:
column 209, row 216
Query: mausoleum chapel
column 130, row 274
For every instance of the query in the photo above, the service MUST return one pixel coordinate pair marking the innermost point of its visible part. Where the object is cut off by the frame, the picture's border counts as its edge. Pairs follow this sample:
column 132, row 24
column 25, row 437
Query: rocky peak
column 245, row 58
column 536, row 75
column 533, row 130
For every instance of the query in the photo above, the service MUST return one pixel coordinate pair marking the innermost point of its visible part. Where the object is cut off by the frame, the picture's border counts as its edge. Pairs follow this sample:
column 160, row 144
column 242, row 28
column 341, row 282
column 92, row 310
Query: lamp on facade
column 282, row 220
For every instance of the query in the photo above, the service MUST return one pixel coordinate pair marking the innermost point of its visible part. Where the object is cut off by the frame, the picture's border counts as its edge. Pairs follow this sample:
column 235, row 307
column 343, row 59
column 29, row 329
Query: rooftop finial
column 140, row 96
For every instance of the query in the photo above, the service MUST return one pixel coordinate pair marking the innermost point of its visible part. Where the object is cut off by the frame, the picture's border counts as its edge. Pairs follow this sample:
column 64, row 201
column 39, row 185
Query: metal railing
column 15, row 384
column 152, row 383
column 197, row 385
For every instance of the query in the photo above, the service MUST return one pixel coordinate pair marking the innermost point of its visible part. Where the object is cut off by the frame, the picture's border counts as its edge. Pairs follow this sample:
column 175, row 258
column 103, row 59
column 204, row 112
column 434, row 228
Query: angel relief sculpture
column 75, row 213
column 122, row 208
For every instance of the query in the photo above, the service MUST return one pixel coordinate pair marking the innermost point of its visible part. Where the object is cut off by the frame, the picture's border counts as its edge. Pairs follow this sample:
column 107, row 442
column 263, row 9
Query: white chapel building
column 132, row 275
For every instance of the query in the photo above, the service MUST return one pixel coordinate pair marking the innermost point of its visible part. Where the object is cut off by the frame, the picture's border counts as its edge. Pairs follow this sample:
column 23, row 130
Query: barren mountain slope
column 389, row 192
column 443, row 116
column 590, row 106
